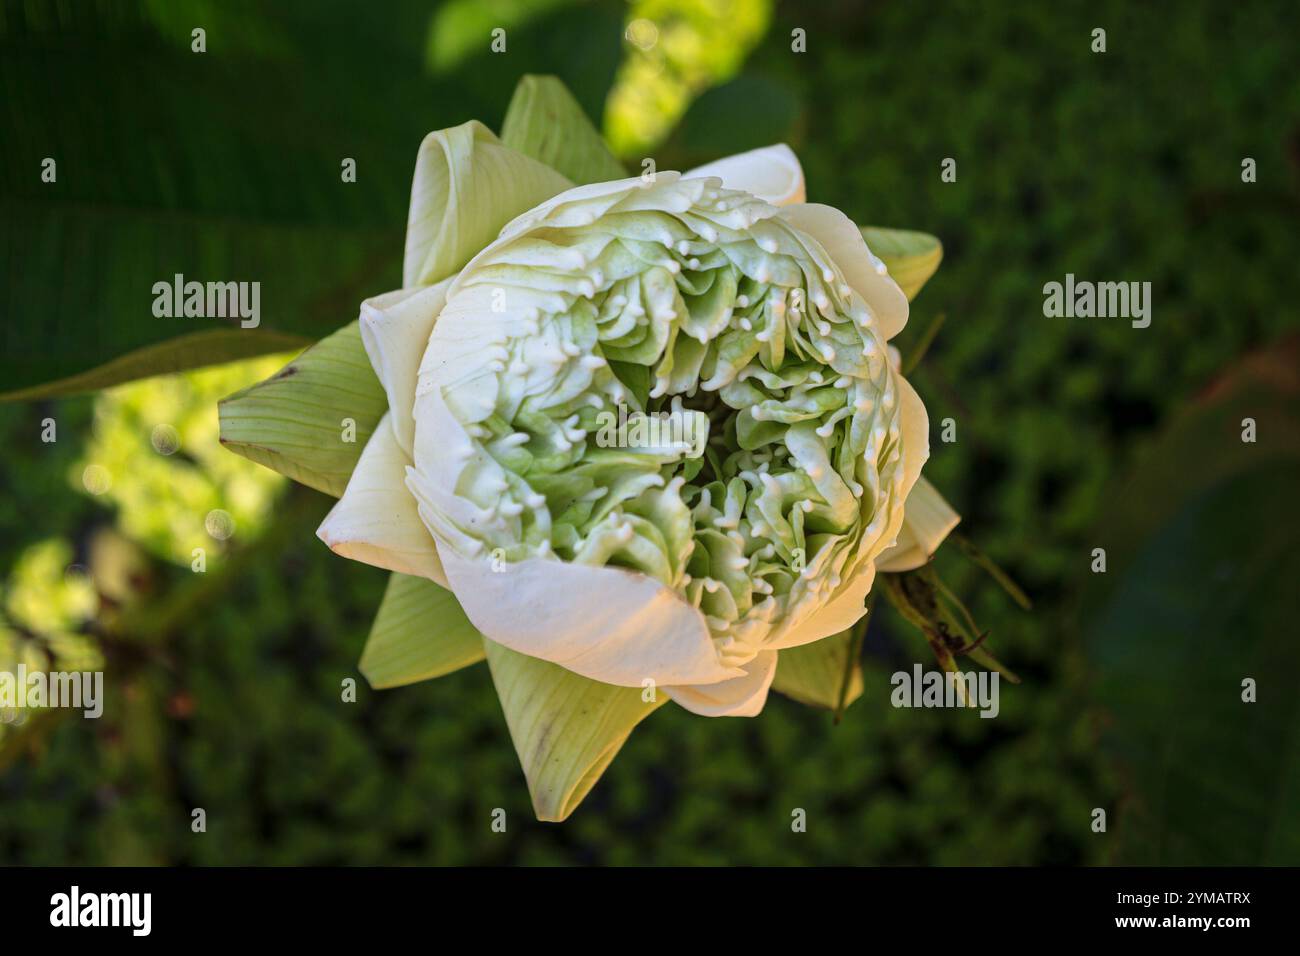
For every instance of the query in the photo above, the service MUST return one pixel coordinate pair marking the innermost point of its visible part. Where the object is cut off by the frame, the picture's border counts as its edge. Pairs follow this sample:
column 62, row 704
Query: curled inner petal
column 668, row 378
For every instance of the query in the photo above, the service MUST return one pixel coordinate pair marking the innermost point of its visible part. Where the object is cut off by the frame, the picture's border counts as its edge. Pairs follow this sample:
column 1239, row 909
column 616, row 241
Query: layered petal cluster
column 651, row 432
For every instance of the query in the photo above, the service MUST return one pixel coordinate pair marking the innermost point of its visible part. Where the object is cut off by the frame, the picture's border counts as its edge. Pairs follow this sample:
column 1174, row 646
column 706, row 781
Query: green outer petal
column 545, row 122
column 419, row 633
column 911, row 257
column 566, row 729
column 812, row 673
column 293, row 422
column 467, row 185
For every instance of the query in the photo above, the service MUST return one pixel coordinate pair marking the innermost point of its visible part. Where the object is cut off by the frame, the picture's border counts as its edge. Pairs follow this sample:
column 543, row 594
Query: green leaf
column 252, row 193
column 814, row 673
column 566, row 729
column 79, row 312
column 911, row 257
column 295, row 422
column 1199, row 594
column 1210, row 602
column 212, row 347
column 545, row 122
column 419, row 633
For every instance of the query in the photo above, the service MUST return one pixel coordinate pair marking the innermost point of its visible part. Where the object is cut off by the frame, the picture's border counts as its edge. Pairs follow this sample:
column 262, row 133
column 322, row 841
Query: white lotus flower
column 717, row 295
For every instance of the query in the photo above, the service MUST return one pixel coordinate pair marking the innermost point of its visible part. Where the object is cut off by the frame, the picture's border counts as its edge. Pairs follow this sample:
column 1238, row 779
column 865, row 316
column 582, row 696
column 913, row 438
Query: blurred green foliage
column 1117, row 166
column 169, row 480
column 676, row 49
column 1195, row 617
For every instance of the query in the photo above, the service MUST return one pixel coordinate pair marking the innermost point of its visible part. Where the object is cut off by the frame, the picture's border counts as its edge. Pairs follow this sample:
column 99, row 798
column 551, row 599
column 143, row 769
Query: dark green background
column 1116, row 166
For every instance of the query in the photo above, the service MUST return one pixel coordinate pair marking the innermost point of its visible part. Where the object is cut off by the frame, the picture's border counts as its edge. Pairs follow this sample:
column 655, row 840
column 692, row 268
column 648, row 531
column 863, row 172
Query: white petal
column 395, row 328
column 928, row 519
column 612, row 192
column 742, row 696
column 772, row 173
column 895, row 358
column 467, row 185
column 609, row 624
column 841, row 613
column 376, row 521
column 915, row 427
column 843, row 241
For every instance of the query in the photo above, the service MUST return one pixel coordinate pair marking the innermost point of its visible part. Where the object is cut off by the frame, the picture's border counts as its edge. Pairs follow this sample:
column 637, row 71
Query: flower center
column 685, row 385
